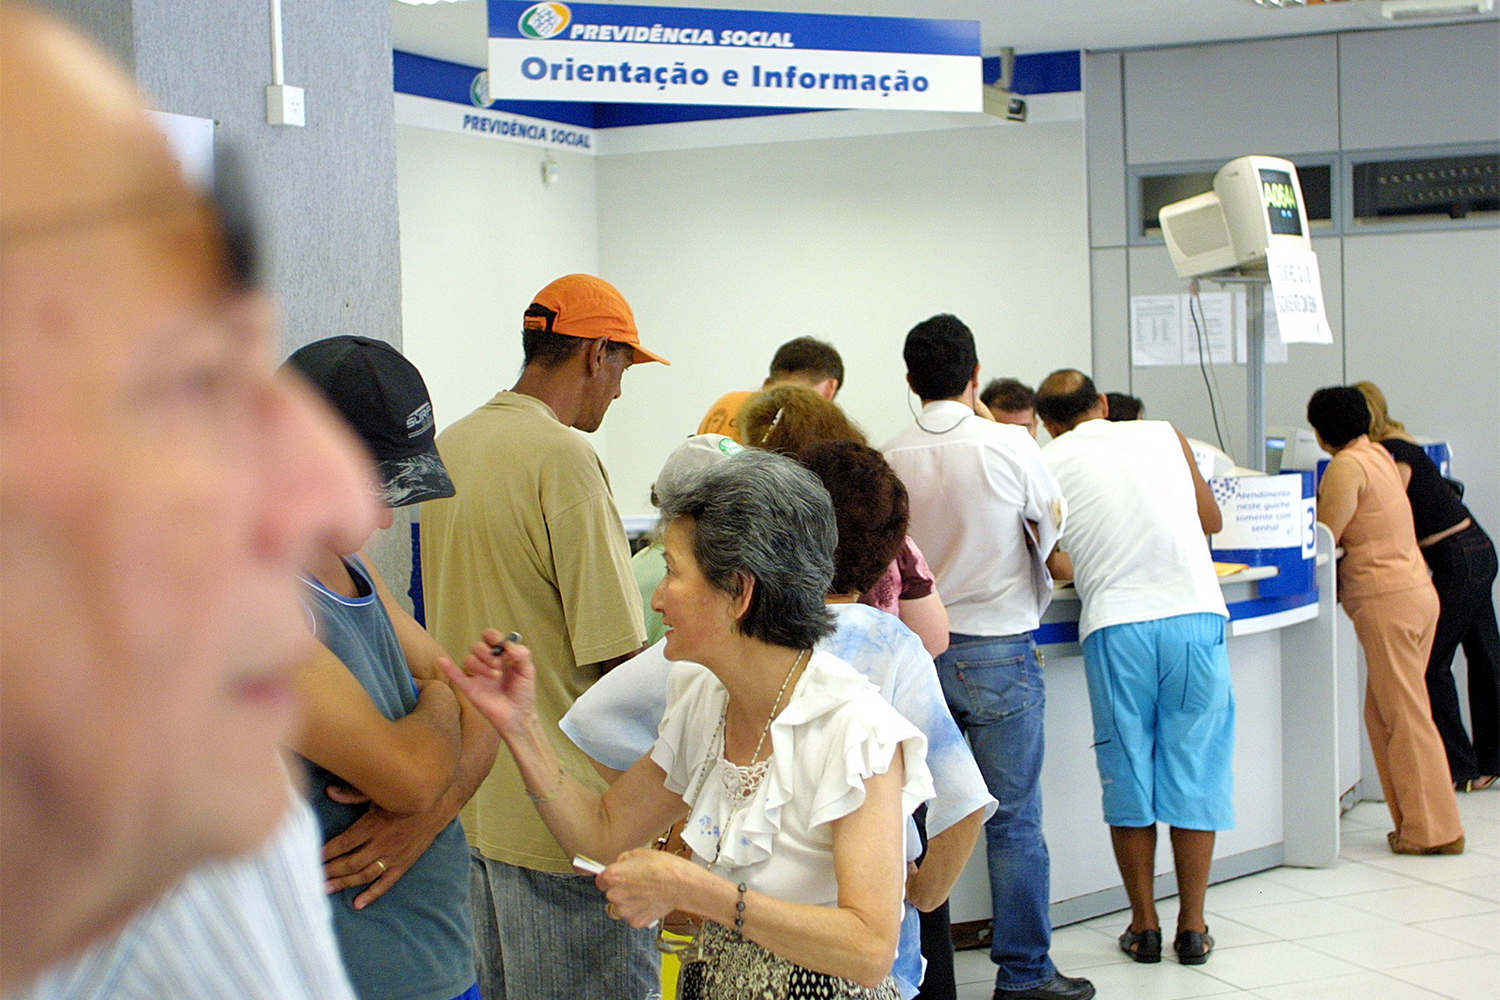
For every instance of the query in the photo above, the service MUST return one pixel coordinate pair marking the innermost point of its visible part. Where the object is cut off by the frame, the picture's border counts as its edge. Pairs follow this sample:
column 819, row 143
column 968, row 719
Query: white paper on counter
column 1155, row 330
column 1297, row 289
column 1276, row 353
column 1216, row 319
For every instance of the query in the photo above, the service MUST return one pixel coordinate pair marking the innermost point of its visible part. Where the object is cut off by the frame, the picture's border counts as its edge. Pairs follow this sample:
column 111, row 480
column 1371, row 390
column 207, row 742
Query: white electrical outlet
column 284, row 106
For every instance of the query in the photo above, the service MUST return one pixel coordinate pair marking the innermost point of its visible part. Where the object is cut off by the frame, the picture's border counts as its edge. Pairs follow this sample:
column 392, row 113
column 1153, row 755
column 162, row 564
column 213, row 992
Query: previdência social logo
column 544, row 20
column 479, row 89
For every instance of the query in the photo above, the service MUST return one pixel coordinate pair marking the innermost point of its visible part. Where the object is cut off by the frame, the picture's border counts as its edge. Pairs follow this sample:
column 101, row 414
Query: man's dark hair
column 870, row 507
column 1339, row 414
column 1124, row 407
column 807, row 358
column 1066, row 395
column 1008, row 395
column 548, row 349
column 940, row 357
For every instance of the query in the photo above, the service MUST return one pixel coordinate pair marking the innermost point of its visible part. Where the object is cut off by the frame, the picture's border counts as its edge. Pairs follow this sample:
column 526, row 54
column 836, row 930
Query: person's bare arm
column 605, row 666
column 1338, row 496
column 397, row 840
column 1404, row 470
column 480, row 741
column 401, row 765
column 927, row 617
column 856, row 939
column 1209, row 514
column 947, row 853
column 1060, row 565
column 637, row 806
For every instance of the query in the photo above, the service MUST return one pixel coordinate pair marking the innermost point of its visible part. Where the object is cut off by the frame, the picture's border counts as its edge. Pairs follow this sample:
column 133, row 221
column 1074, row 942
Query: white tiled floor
column 1374, row 927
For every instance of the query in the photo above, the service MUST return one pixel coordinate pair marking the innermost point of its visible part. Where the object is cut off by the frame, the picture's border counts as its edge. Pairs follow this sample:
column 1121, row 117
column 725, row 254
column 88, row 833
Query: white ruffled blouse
column 835, row 732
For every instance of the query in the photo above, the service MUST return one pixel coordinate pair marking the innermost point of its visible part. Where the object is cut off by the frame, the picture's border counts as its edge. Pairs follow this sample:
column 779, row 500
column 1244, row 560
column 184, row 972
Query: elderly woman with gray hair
column 795, row 775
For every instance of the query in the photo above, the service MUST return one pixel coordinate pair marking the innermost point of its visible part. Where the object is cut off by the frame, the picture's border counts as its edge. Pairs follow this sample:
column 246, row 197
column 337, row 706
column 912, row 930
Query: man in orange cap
column 532, row 542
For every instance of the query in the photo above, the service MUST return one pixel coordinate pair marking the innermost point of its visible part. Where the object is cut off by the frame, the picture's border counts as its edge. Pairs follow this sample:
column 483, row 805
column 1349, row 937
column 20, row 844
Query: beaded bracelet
column 739, row 914
column 539, row 799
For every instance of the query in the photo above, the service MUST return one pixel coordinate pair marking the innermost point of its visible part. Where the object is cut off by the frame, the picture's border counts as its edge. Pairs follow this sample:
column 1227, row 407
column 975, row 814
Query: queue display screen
column 1280, row 197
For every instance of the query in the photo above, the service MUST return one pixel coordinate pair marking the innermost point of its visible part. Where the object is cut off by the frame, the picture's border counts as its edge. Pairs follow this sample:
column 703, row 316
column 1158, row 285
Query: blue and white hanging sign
column 612, row 53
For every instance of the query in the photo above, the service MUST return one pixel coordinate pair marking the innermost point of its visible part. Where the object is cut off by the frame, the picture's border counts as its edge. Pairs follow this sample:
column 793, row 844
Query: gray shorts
column 540, row 936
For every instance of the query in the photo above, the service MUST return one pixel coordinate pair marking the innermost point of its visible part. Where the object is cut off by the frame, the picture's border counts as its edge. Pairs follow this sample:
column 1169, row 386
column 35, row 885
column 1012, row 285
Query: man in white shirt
column 1154, row 653
column 986, row 513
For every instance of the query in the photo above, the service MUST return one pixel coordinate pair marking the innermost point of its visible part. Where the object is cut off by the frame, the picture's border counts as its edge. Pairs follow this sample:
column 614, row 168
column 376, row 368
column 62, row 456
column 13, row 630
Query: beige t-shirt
column 532, row 542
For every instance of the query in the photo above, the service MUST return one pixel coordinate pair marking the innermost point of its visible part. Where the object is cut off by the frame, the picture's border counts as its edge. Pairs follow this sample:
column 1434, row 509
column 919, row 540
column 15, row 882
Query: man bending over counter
column 1154, row 652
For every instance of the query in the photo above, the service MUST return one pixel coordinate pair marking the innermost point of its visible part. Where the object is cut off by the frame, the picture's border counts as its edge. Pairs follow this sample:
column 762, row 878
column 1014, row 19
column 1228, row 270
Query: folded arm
column 402, row 765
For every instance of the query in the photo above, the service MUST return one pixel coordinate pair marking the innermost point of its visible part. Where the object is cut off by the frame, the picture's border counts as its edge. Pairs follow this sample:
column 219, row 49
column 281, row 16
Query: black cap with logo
column 382, row 395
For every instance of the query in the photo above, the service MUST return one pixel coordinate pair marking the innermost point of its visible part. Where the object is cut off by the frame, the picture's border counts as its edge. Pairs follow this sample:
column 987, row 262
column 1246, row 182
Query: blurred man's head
column 159, row 488
column 1011, row 401
column 384, row 400
column 1067, row 398
column 813, row 364
column 1123, row 406
column 941, row 361
column 578, row 336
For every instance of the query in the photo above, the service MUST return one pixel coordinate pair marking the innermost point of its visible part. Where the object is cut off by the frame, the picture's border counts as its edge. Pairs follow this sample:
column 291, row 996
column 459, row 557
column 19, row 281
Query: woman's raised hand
column 502, row 687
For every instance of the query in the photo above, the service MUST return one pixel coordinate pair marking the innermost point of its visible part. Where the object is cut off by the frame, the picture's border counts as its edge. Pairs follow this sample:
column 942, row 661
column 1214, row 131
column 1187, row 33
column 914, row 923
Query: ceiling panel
column 456, row 30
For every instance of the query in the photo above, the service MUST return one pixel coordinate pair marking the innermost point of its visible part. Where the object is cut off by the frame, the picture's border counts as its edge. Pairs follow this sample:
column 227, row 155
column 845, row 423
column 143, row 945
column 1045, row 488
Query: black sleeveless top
column 1434, row 504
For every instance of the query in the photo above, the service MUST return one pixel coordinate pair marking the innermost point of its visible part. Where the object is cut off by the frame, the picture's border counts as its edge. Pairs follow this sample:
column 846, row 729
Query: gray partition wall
column 1414, row 303
column 325, row 193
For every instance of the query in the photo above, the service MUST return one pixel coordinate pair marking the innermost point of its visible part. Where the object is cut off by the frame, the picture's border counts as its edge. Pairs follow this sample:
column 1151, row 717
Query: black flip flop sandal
column 1144, row 947
column 1192, row 947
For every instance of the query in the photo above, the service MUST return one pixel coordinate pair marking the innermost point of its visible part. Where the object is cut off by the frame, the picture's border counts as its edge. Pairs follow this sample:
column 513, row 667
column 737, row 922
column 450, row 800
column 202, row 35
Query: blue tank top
column 413, row 943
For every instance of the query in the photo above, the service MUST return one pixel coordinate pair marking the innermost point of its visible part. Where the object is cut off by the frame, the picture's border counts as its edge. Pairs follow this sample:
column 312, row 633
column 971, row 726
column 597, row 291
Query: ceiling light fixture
column 1406, row 10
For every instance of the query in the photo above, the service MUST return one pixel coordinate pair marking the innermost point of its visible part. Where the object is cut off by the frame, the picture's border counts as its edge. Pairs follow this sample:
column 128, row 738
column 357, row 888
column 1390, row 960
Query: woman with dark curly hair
column 790, row 420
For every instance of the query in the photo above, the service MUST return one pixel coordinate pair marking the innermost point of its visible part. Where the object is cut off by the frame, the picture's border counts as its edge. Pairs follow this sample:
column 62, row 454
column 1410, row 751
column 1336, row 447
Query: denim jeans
column 540, row 936
column 994, row 689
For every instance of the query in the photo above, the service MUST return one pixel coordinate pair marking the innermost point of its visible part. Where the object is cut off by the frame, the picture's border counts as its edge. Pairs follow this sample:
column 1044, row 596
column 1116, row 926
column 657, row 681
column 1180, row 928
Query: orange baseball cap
column 581, row 305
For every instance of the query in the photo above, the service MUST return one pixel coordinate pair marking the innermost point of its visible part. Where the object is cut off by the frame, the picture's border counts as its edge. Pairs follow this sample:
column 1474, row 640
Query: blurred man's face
column 159, row 488
column 1024, row 418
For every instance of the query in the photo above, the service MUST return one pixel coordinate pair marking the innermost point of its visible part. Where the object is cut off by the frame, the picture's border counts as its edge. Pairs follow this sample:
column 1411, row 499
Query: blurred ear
column 828, row 388
column 1104, row 405
column 594, row 355
column 740, row 606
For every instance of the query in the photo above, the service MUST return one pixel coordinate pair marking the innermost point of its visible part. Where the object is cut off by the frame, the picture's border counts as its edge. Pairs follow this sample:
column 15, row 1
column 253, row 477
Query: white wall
column 726, row 253
column 480, row 236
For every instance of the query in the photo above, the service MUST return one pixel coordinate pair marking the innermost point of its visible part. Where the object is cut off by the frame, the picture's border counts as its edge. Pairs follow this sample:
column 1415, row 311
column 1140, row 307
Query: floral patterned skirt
column 736, row 969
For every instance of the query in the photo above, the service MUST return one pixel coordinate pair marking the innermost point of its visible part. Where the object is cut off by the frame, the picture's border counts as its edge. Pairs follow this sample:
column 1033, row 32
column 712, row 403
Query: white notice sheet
column 1155, row 330
column 1214, row 313
column 1298, row 292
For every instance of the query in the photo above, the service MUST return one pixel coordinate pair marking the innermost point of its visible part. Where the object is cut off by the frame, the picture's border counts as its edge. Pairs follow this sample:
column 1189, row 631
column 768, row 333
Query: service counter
column 1282, row 645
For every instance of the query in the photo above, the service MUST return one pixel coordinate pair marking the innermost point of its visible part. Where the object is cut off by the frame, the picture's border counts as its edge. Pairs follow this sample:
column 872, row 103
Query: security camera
column 1004, row 104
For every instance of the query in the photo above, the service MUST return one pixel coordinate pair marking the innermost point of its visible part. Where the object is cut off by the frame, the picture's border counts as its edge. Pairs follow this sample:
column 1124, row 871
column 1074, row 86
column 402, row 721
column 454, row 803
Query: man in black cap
column 392, row 751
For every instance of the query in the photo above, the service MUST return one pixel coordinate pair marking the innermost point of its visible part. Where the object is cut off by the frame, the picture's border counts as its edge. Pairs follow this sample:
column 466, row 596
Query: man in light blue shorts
column 1154, row 652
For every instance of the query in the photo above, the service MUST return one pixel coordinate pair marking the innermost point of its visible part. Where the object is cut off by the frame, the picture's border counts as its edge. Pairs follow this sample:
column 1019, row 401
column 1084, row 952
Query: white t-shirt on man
column 1138, row 548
